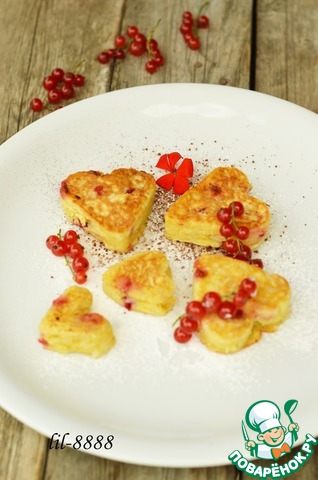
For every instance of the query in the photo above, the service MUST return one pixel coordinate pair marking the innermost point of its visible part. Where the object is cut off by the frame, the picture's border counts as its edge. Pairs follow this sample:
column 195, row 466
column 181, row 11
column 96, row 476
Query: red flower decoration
column 177, row 178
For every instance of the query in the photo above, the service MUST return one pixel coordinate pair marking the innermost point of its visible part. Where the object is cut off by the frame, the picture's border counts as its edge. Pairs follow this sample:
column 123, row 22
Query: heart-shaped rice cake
column 262, row 313
column 68, row 326
column 193, row 217
column 142, row 282
column 112, row 207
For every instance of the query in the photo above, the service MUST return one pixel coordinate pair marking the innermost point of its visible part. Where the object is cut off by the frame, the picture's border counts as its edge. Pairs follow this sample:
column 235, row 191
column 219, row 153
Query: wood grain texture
column 224, row 57
column 287, row 50
column 61, row 464
column 23, row 451
column 37, row 36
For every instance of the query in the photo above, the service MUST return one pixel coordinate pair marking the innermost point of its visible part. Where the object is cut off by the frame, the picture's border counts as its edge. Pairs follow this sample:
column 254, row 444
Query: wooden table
column 264, row 45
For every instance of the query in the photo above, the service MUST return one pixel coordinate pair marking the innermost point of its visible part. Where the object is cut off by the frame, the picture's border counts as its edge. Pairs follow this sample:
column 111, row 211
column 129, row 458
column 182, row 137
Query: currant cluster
column 60, row 86
column 213, row 303
column 136, row 44
column 67, row 246
column 234, row 247
column 189, row 28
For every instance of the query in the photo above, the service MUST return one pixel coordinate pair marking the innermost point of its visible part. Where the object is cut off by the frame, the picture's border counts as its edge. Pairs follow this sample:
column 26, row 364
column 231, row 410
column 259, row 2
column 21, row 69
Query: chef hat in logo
column 263, row 416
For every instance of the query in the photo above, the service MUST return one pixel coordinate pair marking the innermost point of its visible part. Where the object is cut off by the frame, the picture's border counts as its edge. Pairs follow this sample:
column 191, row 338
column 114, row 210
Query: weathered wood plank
column 23, row 451
column 286, row 67
column 224, row 57
column 71, row 465
column 45, row 35
column 287, row 50
column 16, row 49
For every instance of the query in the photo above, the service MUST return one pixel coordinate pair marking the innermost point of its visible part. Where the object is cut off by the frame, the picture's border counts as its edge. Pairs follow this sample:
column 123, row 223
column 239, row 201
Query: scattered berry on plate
column 67, row 246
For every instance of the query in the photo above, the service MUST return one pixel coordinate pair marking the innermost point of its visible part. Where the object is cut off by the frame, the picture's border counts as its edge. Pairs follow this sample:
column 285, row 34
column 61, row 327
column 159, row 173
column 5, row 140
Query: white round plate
column 166, row 404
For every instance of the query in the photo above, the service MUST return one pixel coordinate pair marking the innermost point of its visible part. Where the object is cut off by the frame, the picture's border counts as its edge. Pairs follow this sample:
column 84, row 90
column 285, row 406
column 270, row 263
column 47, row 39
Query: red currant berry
column 200, row 273
column 36, row 105
column 67, row 91
column 212, row 302
column 103, row 58
column 159, row 60
column 54, row 96
column 246, row 251
column 70, row 237
column 111, row 52
column 51, row 240
column 120, row 54
column 240, row 314
column 231, row 246
column 240, row 298
column 227, row 230
column 195, row 310
column 79, row 80
column 151, row 66
column 189, row 325
column 80, row 263
column 68, row 78
column 237, row 208
column 184, row 29
column 152, row 45
column 140, row 38
column 194, row 43
column 187, row 21
column 49, row 82
column 155, row 53
column 59, row 248
column 80, row 277
column 242, row 257
column 224, row 215
column 136, row 49
column 203, row 21
column 227, row 310
column 120, row 41
column 187, row 14
column 132, row 31
column 181, row 336
column 242, row 232
column 57, row 73
column 187, row 36
column 249, row 286
column 76, row 250
column 257, row 262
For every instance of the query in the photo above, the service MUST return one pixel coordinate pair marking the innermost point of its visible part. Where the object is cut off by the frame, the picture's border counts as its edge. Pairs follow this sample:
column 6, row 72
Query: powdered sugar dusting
column 148, row 341
column 147, row 383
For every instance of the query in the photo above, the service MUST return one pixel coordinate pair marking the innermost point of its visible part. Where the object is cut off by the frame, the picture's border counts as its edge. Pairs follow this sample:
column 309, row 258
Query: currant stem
column 203, row 7
column 177, row 320
column 153, row 30
column 68, row 264
column 233, row 221
column 78, row 65
column 150, row 35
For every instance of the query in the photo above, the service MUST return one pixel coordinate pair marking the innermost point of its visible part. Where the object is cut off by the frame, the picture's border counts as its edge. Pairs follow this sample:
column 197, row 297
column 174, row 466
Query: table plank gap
column 287, row 51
